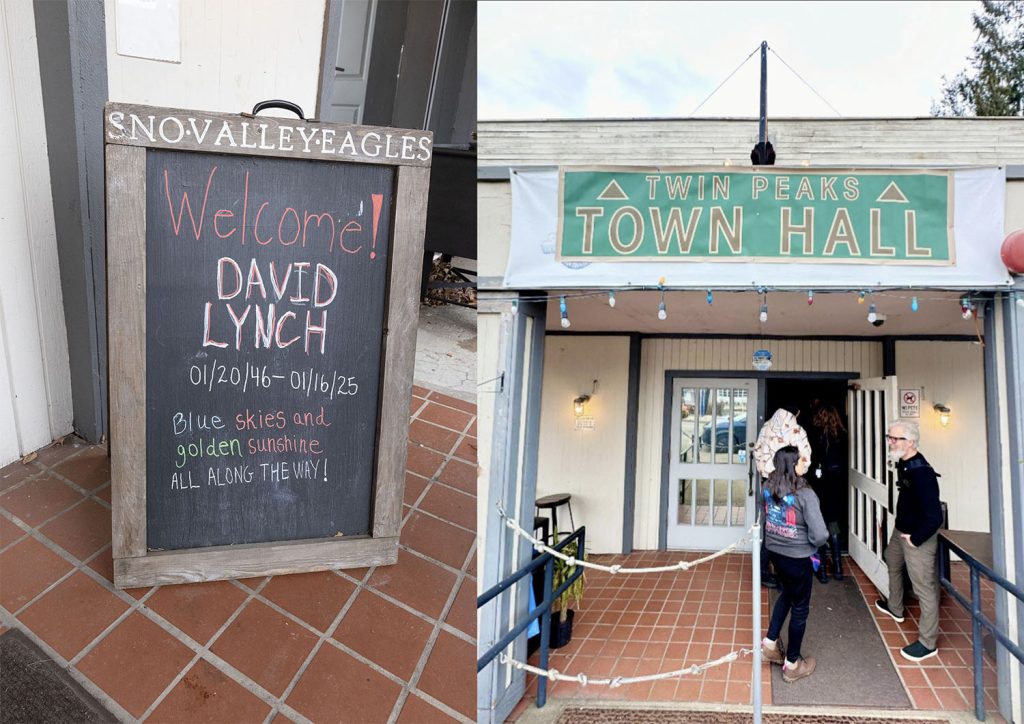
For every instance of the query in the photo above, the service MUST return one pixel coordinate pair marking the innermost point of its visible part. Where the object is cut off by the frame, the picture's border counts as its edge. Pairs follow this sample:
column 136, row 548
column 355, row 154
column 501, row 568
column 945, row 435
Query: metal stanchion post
column 756, row 545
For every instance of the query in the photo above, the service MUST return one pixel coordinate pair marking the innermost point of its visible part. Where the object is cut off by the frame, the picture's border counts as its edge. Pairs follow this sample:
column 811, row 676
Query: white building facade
column 664, row 348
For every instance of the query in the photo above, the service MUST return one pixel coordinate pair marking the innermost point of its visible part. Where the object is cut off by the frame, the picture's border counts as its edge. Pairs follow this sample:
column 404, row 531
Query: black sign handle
column 277, row 103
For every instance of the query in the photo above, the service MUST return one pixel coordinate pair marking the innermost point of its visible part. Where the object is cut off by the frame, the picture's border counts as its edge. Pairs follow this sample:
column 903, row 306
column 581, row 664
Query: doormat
column 34, row 688
column 854, row 668
column 597, row 715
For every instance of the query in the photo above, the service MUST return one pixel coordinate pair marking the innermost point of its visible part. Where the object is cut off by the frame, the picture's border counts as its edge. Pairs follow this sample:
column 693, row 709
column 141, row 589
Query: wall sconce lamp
column 578, row 403
column 944, row 413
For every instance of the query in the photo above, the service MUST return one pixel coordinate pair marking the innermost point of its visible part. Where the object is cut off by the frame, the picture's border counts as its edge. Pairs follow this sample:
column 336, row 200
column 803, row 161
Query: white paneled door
column 352, row 61
column 872, row 507
column 713, row 426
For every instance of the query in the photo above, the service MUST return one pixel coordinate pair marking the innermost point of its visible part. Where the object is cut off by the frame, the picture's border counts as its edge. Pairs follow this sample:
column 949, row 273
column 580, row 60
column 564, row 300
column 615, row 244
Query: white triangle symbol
column 892, row 193
column 613, row 192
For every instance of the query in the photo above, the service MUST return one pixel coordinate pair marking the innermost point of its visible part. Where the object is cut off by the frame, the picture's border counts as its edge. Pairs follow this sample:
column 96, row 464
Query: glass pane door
column 713, row 428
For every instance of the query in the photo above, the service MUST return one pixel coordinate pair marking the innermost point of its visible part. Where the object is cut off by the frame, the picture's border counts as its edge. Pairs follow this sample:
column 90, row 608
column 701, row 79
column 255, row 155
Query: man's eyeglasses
column 892, row 438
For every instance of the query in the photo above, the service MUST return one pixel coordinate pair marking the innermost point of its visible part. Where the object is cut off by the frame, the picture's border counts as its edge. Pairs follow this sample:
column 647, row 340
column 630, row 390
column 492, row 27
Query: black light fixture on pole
column 763, row 154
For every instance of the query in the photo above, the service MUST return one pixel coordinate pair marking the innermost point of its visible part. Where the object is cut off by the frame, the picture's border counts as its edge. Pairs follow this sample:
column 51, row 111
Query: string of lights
column 974, row 296
column 969, row 302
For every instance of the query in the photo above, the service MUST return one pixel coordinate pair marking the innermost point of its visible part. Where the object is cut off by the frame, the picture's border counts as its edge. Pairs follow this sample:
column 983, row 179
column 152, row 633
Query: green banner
column 875, row 217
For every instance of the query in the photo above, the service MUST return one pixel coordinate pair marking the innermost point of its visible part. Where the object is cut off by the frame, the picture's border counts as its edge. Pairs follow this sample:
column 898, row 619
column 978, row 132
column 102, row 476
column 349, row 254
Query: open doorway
column 808, row 395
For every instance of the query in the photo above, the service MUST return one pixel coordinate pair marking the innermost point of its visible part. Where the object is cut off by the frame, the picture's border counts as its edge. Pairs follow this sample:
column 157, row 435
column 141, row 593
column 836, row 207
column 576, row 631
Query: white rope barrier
column 617, row 681
column 540, row 547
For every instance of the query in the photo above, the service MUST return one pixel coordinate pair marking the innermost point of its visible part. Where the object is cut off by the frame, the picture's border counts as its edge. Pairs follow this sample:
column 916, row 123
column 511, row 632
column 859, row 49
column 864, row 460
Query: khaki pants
column 924, row 575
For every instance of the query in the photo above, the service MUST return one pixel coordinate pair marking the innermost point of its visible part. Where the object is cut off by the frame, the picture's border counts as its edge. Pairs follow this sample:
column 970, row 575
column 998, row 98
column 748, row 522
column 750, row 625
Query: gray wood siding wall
column 816, row 141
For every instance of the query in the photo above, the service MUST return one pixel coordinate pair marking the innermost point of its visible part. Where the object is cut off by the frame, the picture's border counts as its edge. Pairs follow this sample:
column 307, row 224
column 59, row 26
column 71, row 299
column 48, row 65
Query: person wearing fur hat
column 781, row 430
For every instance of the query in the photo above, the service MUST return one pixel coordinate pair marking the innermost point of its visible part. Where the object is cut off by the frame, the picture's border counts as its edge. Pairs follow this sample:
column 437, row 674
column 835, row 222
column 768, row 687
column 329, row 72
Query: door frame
column 666, row 441
column 72, row 39
column 716, row 534
column 515, row 428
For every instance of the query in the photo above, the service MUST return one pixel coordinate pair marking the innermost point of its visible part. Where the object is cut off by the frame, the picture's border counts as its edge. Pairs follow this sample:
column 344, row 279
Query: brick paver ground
column 385, row 644
column 634, row 625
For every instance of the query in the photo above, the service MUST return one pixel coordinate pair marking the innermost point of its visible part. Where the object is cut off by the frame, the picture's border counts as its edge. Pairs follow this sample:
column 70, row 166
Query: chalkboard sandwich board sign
column 263, row 276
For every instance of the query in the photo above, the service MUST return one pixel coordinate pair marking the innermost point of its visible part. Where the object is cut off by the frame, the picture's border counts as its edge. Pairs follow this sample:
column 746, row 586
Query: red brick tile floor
column 946, row 681
column 384, row 644
column 634, row 625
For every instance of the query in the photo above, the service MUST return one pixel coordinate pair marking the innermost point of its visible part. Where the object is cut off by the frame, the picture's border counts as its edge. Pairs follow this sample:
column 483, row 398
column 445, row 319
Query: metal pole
column 756, row 545
column 545, row 631
column 979, row 687
column 764, row 92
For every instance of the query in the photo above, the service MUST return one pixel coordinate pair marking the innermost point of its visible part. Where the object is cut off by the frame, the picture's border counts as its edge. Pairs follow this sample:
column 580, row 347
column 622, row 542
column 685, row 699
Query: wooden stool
column 552, row 503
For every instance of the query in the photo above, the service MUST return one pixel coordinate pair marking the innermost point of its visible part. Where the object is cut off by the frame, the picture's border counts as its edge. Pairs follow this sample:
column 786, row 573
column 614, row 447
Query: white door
column 713, row 425
column 348, row 91
column 872, row 511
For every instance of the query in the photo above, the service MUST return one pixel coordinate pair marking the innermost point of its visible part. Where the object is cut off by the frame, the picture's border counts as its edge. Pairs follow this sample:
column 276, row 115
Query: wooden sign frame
column 129, row 130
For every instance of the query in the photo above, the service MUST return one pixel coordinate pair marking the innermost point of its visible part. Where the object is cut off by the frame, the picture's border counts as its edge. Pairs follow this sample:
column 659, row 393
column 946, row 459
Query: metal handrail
column 978, row 619
column 542, row 610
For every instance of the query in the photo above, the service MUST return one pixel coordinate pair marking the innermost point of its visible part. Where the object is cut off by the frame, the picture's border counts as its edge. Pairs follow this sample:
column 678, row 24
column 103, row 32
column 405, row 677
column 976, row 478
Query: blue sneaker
column 917, row 651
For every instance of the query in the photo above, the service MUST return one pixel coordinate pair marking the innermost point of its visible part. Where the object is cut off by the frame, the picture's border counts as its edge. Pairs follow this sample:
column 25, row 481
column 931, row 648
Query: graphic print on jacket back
column 780, row 518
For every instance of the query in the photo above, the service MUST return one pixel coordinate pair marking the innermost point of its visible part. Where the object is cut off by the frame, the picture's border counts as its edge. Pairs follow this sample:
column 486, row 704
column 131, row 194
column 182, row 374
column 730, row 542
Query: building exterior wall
column 589, row 464
column 35, row 378
column 976, row 446
column 659, row 355
column 234, row 53
column 816, row 141
column 487, row 361
column 691, row 142
column 1012, row 530
column 1014, row 218
column 494, row 228
column 953, row 374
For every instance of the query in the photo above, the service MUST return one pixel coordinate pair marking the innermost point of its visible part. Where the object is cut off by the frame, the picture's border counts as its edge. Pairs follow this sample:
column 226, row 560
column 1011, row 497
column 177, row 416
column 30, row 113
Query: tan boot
column 804, row 668
column 773, row 655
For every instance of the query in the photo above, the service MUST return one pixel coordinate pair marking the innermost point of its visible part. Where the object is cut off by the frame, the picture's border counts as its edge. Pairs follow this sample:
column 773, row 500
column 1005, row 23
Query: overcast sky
column 662, row 59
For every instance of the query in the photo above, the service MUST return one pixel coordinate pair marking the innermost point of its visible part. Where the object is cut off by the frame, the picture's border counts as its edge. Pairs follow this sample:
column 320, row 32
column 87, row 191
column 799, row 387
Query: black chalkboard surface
column 262, row 306
column 265, row 304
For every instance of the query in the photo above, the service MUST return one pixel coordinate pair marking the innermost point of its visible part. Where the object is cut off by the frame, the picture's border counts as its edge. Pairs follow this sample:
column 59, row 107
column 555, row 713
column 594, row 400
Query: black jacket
column 918, row 511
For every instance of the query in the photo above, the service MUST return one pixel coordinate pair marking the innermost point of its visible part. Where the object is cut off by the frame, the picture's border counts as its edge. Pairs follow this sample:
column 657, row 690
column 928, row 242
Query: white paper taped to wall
column 149, row 29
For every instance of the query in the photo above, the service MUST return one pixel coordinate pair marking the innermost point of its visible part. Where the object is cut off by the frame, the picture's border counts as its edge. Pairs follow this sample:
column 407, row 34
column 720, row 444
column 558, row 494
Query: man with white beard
column 914, row 540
